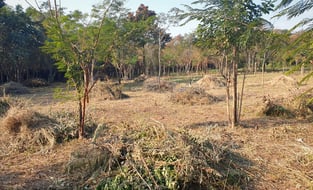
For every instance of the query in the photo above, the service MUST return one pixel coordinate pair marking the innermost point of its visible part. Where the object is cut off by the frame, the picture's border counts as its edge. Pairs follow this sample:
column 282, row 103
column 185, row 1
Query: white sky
column 160, row 6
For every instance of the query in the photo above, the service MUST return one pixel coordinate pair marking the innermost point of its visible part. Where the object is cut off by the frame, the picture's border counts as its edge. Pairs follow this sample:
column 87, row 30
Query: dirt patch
column 209, row 82
column 13, row 88
column 193, row 96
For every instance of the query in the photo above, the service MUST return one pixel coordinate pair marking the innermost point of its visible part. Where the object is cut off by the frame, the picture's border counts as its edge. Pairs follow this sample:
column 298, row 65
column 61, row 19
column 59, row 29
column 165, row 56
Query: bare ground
column 279, row 150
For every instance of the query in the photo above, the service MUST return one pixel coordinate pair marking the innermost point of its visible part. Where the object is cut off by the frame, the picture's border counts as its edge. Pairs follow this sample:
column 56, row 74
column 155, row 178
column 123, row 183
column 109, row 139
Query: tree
column 74, row 45
column 228, row 25
column 2, row 3
column 302, row 46
column 20, row 39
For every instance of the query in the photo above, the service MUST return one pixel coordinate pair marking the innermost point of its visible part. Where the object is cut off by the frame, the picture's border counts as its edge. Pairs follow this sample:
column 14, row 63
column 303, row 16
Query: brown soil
column 276, row 153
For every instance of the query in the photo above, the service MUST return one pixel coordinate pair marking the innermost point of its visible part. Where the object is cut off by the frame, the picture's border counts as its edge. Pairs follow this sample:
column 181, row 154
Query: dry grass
column 152, row 143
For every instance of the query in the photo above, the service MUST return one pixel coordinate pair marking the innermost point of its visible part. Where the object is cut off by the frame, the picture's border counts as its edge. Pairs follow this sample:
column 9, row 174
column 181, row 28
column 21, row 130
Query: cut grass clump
column 148, row 156
column 193, row 96
column 27, row 130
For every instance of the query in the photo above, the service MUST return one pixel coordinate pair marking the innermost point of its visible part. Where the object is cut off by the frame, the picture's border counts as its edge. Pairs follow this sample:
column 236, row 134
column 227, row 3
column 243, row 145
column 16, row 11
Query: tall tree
column 227, row 24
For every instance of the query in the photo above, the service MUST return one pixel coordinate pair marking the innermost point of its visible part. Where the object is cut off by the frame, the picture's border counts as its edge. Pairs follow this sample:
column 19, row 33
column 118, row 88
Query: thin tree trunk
column 241, row 95
column 235, row 100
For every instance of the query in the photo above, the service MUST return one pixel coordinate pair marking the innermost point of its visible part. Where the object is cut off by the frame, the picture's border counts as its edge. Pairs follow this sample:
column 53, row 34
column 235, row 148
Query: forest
column 110, row 99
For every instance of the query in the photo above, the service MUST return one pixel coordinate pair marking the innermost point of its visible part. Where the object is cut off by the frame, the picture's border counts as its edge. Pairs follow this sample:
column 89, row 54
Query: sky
column 162, row 6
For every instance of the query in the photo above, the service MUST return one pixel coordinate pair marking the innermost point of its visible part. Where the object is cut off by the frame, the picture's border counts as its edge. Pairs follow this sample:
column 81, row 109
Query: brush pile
column 192, row 96
column 154, row 85
column 209, row 82
column 270, row 108
column 13, row 88
column 148, row 156
column 108, row 91
column 36, row 82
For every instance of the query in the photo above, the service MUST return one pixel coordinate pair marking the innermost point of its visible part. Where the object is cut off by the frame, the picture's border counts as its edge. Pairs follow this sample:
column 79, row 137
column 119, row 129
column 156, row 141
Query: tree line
column 128, row 45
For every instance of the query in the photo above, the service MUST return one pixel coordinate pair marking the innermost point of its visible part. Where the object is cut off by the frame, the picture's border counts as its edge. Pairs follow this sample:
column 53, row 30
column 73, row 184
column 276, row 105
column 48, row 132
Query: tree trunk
column 235, row 99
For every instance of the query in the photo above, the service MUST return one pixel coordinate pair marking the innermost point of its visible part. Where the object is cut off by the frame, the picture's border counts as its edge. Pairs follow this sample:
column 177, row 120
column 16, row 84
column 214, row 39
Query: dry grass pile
column 4, row 106
column 27, row 130
column 152, row 84
column 141, row 78
column 270, row 108
column 283, row 80
column 209, row 82
column 193, row 96
column 36, row 82
column 148, row 156
column 108, row 91
column 13, row 88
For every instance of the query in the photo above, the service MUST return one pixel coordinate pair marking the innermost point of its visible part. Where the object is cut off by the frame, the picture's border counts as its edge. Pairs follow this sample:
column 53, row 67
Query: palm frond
column 283, row 4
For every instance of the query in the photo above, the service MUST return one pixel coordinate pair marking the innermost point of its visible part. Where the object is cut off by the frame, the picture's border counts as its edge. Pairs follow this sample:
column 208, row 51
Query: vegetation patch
column 36, row 82
column 13, row 88
column 108, row 91
column 154, row 85
column 193, row 96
